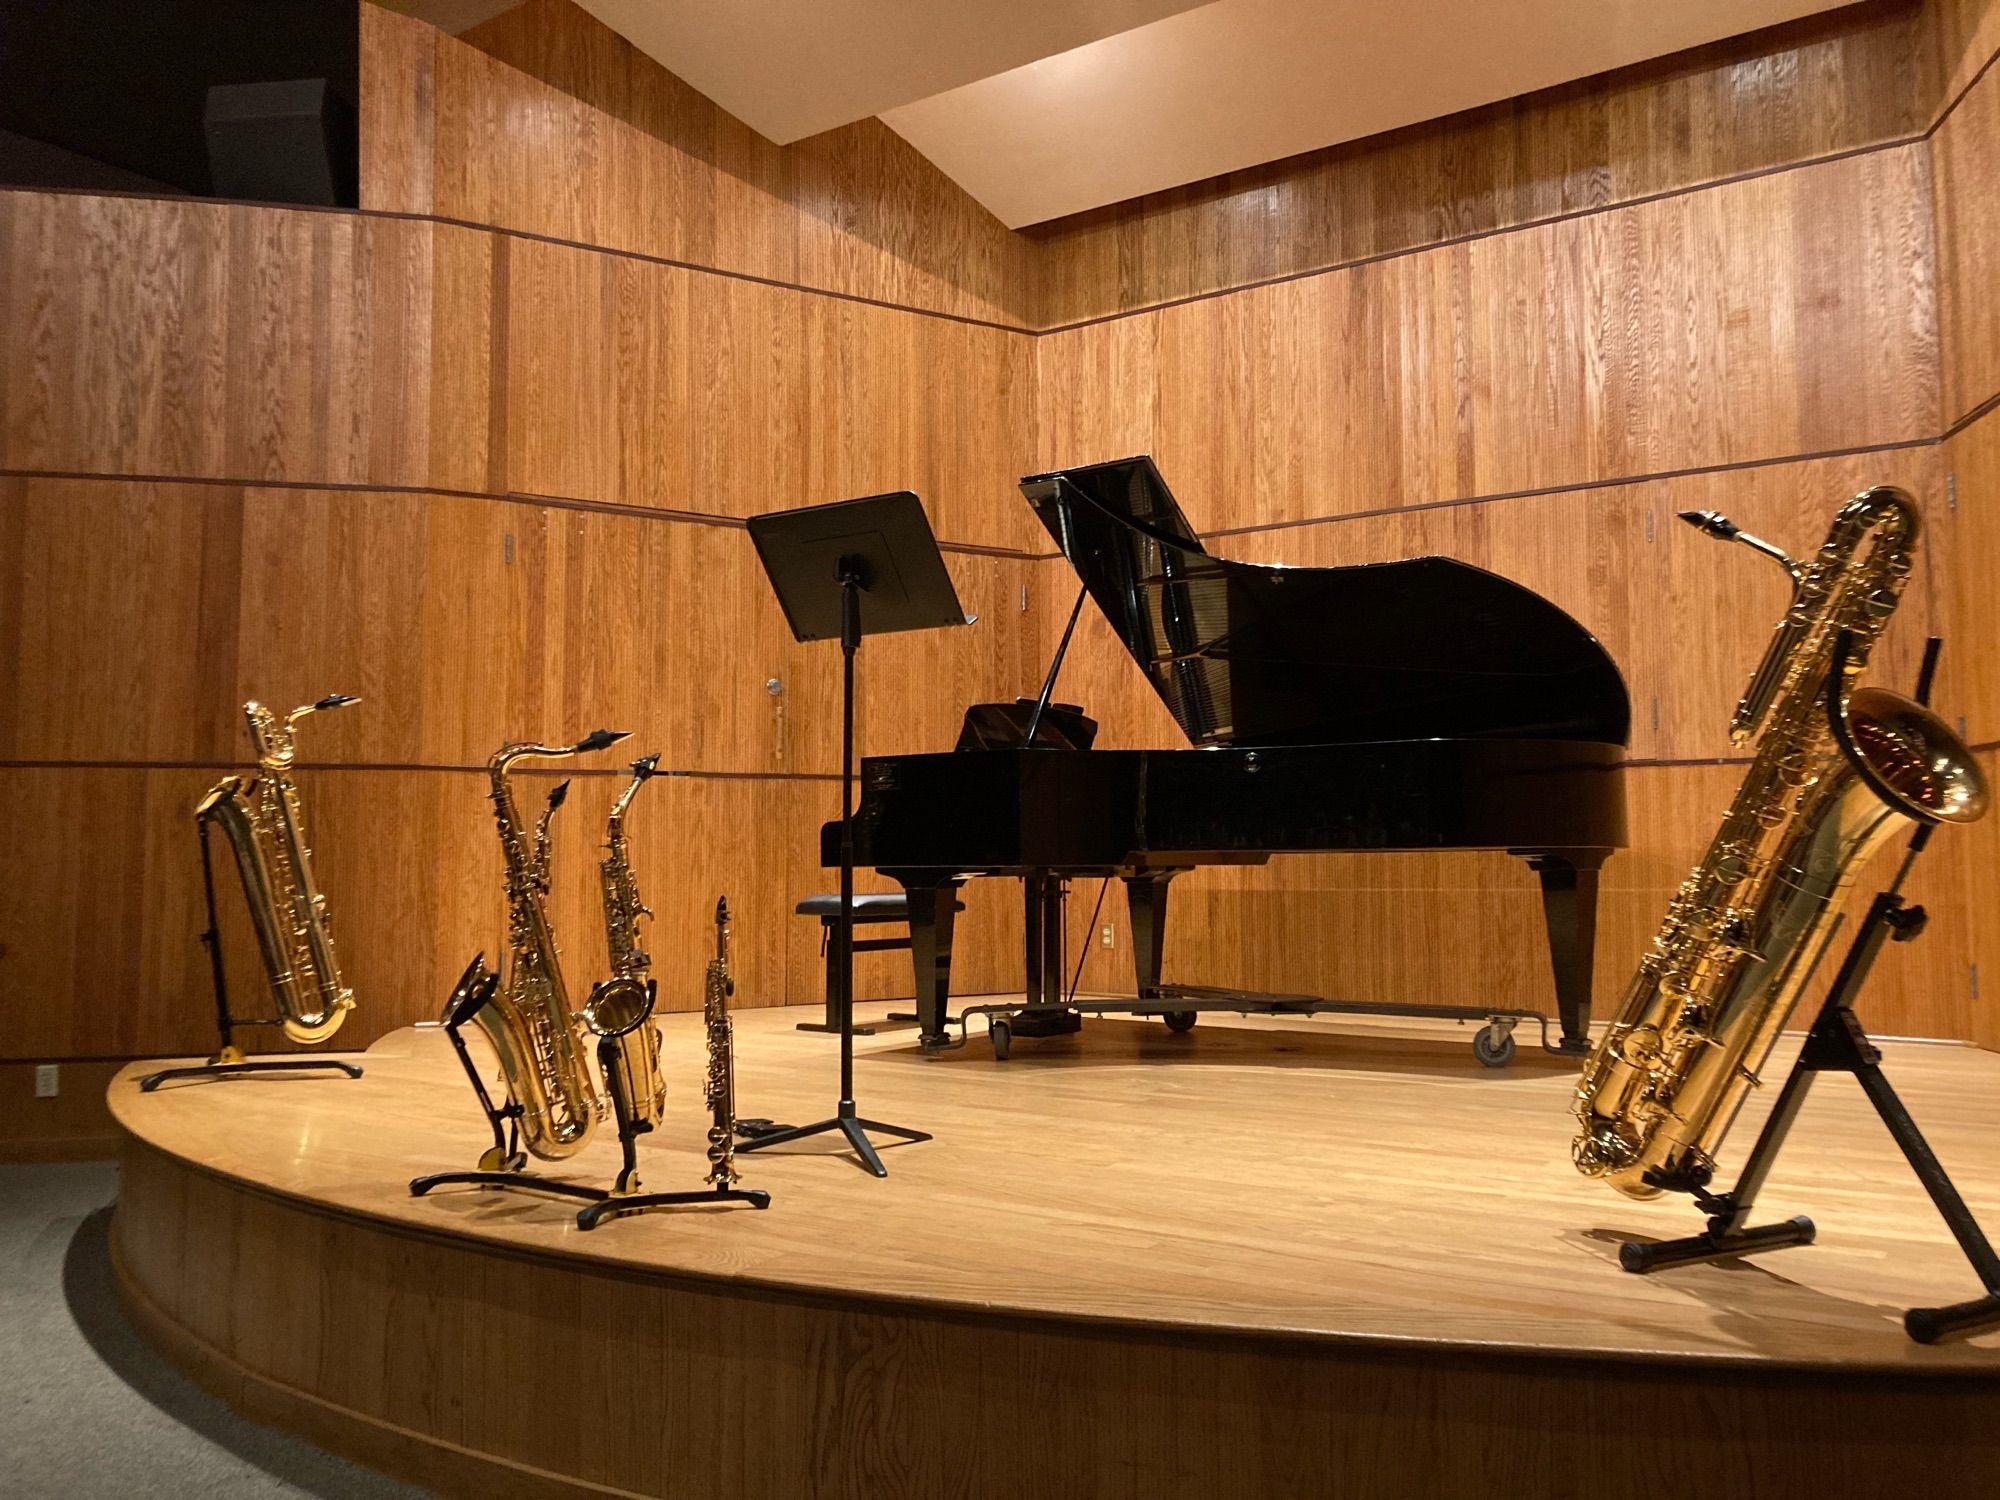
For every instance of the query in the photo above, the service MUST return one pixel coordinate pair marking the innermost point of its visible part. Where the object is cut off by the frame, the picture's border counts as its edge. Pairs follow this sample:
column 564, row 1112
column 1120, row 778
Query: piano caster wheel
column 1493, row 1046
column 1179, row 1022
column 1001, row 1035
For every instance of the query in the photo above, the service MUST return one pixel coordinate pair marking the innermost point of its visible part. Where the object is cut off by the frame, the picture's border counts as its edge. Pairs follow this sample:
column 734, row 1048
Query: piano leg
column 1569, row 907
column 1043, row 956
column 1146, row 904
column 933, row 911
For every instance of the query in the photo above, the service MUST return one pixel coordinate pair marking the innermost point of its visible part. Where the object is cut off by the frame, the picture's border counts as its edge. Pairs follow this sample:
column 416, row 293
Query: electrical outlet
column 1110, row 937
column 48, row 1080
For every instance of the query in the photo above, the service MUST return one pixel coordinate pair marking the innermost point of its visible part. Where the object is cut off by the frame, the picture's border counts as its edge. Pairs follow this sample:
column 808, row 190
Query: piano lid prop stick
column 1055, row 667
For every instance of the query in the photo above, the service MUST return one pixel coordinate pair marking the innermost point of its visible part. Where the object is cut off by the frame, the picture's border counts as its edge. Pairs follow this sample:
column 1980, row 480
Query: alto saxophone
column 266, row 832
column 1838, row 771
column 620, row 1010
column 527, row 1018
column 720, row 1085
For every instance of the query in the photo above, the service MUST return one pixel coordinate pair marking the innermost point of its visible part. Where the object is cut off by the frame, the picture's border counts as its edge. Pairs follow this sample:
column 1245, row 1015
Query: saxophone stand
column 622, row 1198
column 1837, row 1044
column 820, row 561
column 228, row 1060
column 504, row 1164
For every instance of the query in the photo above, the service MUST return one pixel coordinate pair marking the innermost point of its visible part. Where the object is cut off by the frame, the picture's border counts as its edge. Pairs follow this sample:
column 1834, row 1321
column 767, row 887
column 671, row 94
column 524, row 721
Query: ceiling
column 1042, row 108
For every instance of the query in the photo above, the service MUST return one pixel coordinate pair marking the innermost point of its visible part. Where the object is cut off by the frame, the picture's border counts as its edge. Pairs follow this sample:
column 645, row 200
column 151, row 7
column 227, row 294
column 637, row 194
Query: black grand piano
column 1412, row 705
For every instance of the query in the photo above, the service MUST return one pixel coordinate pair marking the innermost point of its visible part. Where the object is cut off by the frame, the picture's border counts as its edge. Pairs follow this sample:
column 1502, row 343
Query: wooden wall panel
column 1466, row 929
column 1825, row 85
column 654, row 386
column 1969, row 536
column 1962, row 38
column 208, row 340
column 1965, row 163
column 650, row 166
column 1785, row 315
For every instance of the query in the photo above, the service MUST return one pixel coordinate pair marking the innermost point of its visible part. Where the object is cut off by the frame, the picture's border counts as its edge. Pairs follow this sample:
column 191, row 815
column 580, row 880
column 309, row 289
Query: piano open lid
column 1253, row 654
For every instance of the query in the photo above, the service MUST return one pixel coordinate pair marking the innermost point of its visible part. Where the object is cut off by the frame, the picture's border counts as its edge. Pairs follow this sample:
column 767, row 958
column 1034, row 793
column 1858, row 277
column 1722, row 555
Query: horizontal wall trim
column 1985, row 408
column 1660, row 476
column 228, row 767
column 501, row 497
column 1330, row 268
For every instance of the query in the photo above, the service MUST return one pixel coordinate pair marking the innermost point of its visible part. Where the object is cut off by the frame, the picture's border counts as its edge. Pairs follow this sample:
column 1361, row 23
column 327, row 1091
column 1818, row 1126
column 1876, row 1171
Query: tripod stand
column 229, row 1060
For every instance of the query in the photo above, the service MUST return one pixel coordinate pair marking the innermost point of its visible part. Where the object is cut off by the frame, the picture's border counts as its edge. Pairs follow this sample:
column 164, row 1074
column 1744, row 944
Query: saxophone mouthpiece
column 722, row 911
column 1712, row 523
column 557, row 796
column 649, row 766
column 599, row 739
column 334, row 700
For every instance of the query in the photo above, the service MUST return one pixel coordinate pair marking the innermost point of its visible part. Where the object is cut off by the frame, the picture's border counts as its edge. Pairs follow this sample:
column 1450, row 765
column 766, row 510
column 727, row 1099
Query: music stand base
column 849, row 1124
column 1929, row 1325
column 1640, row 1259
column 604, row 1204
column 230, row 1069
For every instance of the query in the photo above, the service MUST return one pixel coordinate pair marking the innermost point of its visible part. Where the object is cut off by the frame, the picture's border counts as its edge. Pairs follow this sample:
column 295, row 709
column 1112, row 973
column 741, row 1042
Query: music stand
column 820, row 561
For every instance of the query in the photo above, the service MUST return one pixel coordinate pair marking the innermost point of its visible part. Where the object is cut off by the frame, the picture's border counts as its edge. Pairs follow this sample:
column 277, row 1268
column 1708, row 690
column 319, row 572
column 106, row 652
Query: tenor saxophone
column 1838, row 770
column 620, row 1010
column 527, row 1017
column 720, row 1085
column 266, row 831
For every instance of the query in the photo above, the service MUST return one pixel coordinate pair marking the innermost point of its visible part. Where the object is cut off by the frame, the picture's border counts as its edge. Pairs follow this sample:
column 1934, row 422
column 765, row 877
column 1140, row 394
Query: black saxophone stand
column 1838, row 1044
column 504, row 1164
column 229, row 1061
column 820, row 561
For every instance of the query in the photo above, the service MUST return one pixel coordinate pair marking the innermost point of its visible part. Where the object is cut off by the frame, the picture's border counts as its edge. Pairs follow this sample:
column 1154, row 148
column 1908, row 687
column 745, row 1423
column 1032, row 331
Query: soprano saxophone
column 527, row 1018
column 266, row 831
column 620, row 1010
column 1838, row 771
column 720, row 1087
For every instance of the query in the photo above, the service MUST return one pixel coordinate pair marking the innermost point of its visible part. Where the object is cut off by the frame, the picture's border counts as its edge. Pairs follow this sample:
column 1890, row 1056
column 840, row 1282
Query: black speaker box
column 279, row 142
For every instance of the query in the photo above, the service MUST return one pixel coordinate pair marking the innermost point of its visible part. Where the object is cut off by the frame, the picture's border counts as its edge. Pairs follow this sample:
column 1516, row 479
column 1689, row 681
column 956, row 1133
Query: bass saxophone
column 266, row 832
column 527, row 1018
column 620, row 1010
column 1838, row 770
column 720, row 1085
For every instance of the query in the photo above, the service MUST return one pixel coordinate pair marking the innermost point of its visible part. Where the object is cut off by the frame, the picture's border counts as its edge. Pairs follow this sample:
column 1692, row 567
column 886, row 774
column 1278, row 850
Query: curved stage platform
column 1257, row 1259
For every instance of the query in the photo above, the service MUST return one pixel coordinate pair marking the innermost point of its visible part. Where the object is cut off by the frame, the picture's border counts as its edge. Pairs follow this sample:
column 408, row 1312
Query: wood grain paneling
column 1822, row 86
column 75, row 1125
column 650, row 385
column 199, row 339
column 650, row 166
column 1962, row 38
column 1785, row 315
column 1968, row 537
column 1965, row 164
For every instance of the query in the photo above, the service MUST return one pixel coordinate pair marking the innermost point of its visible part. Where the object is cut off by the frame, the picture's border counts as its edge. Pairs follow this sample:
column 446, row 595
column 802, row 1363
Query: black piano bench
column 867, row 910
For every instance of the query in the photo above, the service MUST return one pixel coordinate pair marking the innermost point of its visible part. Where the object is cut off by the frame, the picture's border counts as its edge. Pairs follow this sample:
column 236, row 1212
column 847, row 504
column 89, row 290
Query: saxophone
column 720, row 1086
column 527, row 1018
column 1838, row 771
column 266, row 832
column 620, row 1010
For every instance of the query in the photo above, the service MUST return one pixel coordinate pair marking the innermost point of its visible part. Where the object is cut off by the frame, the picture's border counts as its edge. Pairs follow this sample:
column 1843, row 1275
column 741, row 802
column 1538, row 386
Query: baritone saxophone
column 265, row 825
column 1838, row 770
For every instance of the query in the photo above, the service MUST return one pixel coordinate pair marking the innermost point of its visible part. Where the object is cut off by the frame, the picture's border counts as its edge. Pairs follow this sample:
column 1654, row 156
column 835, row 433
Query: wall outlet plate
column 1110, row 938
column 48, row 1080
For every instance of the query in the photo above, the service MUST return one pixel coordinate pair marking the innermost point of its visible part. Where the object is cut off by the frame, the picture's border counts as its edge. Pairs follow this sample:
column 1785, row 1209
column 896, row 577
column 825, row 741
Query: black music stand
column 820, row 561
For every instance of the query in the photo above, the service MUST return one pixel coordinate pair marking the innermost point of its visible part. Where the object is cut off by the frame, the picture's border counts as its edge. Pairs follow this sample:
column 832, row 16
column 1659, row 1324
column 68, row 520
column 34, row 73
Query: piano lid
column 1251, row 654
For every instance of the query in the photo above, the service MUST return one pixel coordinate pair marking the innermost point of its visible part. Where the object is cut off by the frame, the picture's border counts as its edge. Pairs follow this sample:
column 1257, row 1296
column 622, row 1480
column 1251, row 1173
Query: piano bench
column 868, row 909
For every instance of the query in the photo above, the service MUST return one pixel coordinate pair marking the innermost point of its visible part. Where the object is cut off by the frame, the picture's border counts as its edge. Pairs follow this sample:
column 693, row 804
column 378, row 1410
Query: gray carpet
column 86, row 1408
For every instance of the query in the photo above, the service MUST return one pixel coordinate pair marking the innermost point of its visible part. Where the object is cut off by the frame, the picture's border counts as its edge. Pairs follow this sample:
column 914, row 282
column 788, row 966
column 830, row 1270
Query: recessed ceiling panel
column 792, row 68
column 1241, row 82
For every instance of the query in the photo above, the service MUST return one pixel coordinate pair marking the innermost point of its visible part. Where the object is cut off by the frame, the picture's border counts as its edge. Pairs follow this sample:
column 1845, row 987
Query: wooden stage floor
column 1346, row 1181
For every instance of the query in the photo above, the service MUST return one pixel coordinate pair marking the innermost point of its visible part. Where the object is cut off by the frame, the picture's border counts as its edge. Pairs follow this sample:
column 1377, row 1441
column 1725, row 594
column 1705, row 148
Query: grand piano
column 1415, row 705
